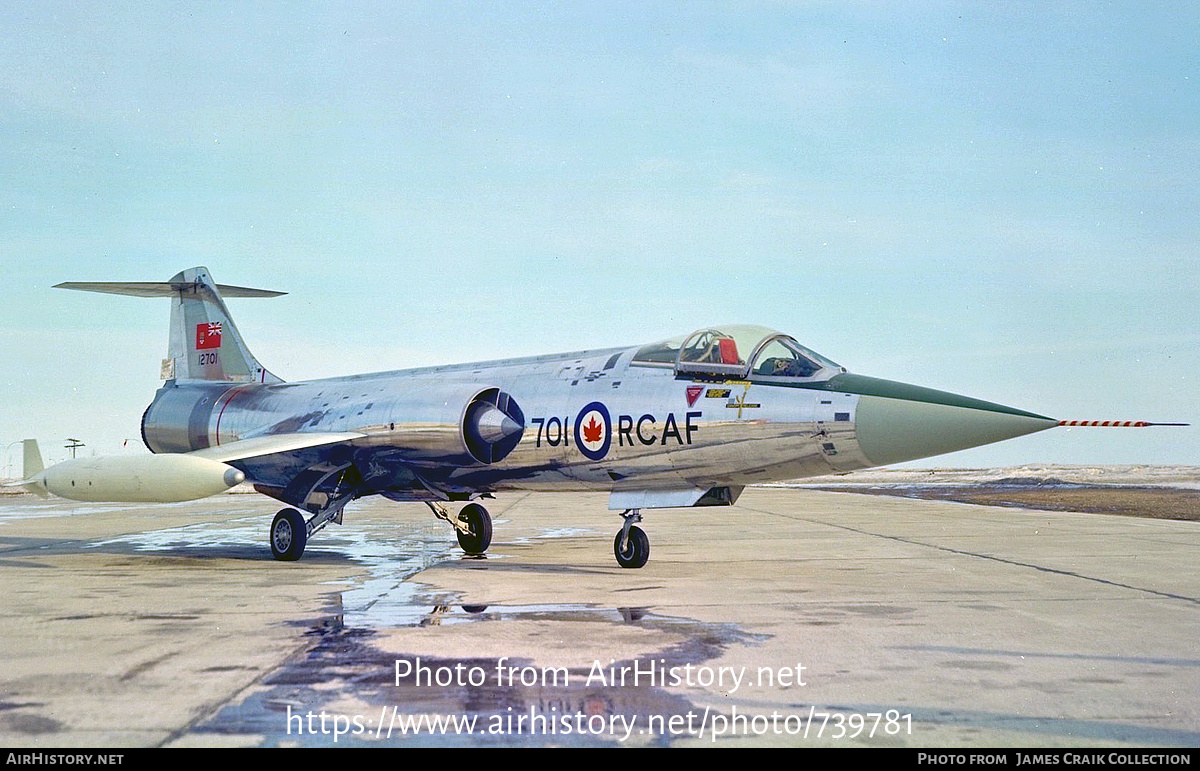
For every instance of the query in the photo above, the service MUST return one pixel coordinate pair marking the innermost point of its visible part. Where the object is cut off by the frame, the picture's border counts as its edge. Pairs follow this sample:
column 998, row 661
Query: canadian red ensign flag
column 208, row 335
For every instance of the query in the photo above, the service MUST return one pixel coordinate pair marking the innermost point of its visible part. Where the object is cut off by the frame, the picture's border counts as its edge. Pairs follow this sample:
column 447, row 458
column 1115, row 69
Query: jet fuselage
column 689, row 421
column 593, row 420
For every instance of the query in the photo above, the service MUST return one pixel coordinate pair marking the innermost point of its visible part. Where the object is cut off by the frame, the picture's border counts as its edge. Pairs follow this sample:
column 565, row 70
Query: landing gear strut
column 473, row 526
column 631, row 546
column 290, row 530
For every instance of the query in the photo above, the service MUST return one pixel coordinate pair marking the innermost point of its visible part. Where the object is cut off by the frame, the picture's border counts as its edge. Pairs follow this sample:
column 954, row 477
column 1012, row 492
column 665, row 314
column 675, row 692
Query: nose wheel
column 631, row 546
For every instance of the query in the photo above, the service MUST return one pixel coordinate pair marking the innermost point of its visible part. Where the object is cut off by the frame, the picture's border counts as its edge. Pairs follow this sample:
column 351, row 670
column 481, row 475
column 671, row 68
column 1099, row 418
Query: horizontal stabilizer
column 160, row 288
column 204, row 343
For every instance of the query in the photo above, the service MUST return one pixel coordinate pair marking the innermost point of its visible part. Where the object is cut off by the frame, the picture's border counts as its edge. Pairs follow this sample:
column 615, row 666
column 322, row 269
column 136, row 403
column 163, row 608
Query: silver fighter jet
column 689, row 421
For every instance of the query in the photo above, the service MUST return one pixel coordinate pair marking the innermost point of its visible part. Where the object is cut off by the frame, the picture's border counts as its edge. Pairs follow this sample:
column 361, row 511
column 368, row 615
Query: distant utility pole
column 73, row 444
column 7, row 447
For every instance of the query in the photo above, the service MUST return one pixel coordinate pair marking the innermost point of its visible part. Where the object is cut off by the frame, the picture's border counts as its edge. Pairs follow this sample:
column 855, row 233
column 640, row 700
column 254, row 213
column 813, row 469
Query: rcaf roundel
column 593, row 431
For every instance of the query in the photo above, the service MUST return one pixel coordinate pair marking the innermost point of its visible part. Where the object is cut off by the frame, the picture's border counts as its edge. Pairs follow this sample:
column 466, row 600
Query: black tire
column 479, row 521
column 289, row 535
column 636, row 551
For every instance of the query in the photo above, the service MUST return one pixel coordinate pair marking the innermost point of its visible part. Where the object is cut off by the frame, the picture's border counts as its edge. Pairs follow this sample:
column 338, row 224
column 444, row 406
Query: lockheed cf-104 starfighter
column 688, row 421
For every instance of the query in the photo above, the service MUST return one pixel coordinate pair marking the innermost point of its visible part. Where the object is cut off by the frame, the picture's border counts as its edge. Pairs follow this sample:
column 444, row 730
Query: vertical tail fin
column 205, row 344
column 31, row 480
column 33, row 459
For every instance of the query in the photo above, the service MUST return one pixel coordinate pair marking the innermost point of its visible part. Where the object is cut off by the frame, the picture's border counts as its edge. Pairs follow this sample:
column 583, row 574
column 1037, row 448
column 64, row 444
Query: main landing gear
column 473, row 526
column 631, row 546
column 289, row 535
column 290, row 531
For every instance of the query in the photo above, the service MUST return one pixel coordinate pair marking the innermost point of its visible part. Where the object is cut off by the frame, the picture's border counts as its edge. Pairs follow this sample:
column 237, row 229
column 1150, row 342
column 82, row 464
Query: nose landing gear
column 631, row 546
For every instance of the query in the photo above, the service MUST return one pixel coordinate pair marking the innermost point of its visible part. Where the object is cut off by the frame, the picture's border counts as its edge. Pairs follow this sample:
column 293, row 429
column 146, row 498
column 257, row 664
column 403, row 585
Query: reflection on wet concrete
column 346, row 691
column 343, row 689
column 173, row 626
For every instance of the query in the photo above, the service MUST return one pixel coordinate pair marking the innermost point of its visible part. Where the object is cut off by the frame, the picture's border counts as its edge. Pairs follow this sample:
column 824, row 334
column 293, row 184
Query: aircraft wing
column 293, row 468
column 172, row 477
column 269, row 445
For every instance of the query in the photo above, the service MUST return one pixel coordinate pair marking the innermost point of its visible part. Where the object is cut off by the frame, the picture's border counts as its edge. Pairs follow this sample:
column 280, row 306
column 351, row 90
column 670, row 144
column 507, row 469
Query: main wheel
column 289, row 534
column 636, row 551
column 479, row 523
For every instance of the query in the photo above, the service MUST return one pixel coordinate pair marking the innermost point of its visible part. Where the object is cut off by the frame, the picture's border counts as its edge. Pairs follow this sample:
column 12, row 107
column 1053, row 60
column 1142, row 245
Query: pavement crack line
column 992, row 557
column 206, row 712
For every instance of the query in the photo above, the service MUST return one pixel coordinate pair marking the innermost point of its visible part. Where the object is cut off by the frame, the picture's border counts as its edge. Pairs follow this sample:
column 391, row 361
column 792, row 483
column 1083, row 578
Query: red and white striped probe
column 1117, row 423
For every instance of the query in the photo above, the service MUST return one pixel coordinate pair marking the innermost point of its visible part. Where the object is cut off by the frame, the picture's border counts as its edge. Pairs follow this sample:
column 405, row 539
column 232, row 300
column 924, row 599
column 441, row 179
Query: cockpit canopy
column 737, row 351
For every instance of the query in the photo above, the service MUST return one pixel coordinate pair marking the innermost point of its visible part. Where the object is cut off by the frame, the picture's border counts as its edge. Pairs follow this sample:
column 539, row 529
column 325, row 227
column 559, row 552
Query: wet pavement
column 797, row 618
column 476, row 701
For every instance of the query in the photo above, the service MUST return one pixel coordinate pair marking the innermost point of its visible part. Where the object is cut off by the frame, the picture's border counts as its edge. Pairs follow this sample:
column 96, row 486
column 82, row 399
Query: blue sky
column 995, row 199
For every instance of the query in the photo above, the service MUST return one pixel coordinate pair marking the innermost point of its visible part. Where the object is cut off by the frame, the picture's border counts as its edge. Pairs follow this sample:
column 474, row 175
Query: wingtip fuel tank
column 167, row 478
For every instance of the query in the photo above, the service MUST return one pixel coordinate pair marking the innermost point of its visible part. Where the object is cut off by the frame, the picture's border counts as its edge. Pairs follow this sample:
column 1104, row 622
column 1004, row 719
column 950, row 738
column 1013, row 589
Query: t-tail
column 205, row 344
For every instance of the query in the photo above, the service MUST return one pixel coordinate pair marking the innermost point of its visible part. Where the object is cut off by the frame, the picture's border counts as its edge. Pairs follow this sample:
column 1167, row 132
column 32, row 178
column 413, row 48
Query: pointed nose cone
column 897, row 422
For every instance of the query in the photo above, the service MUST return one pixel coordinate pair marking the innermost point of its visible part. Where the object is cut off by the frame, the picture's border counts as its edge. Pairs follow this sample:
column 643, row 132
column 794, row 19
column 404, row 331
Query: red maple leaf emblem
column 593, row 431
